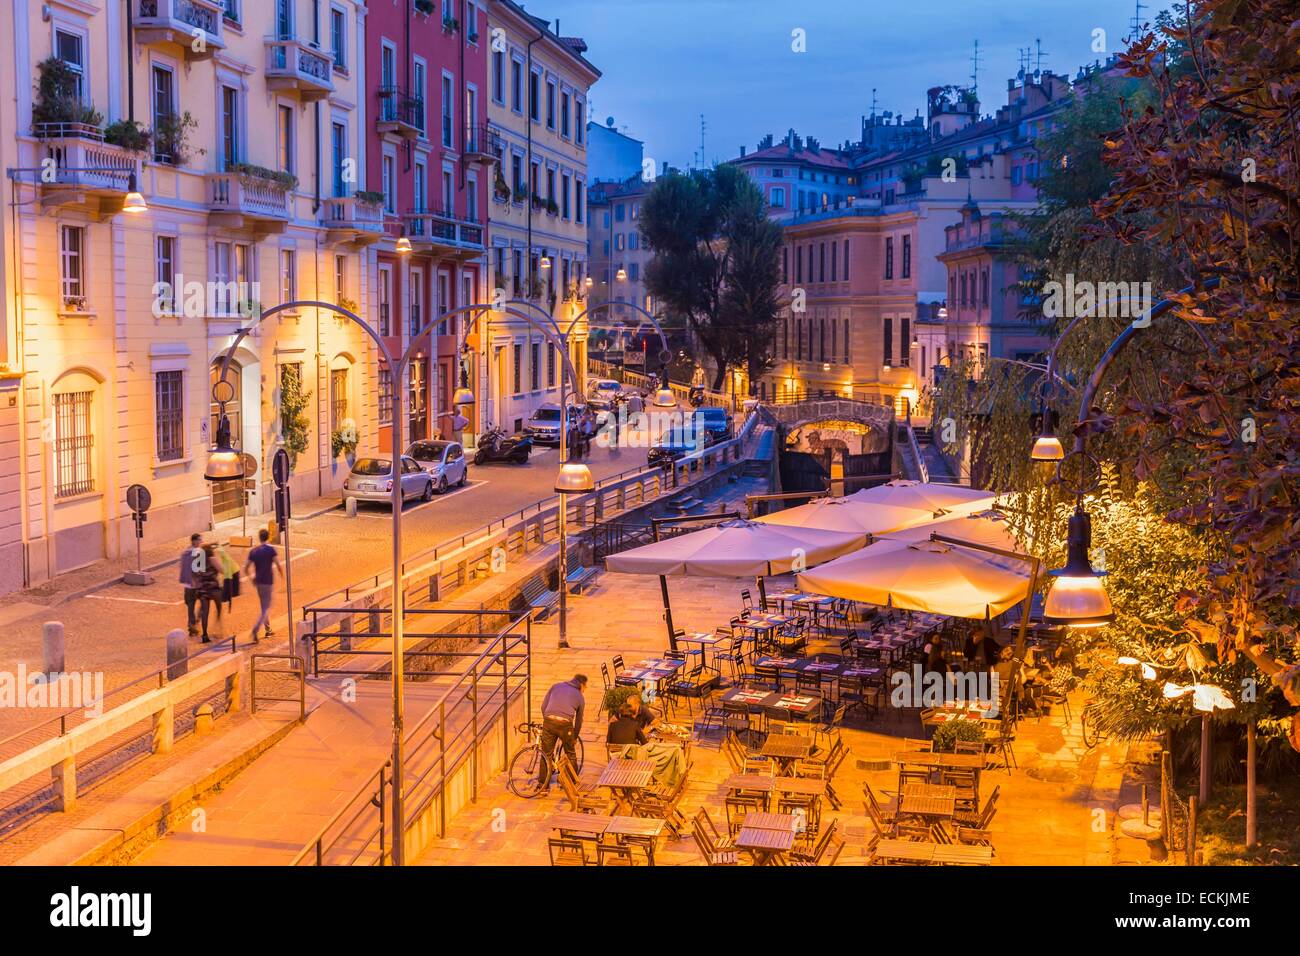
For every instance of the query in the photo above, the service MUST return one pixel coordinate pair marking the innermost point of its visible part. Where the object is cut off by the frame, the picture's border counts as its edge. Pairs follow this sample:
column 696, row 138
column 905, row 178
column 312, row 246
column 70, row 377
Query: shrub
column 129, row 134
column 947, row 734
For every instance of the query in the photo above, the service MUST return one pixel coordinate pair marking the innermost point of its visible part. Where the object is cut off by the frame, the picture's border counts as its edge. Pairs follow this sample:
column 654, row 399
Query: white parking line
column 114, row 597
column 381, row 511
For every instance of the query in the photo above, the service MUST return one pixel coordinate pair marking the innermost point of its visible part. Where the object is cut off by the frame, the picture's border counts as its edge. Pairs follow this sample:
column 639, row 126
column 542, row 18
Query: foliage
column 172, row 138
column 294, row 423
column 279, row 177
column 369, row 197
column 1221, row 826
column 129, row 134
column 716, row 263
column 57, row 99
column 948, row 733
column 425, row 6
column 614, row 697
column 344, row 438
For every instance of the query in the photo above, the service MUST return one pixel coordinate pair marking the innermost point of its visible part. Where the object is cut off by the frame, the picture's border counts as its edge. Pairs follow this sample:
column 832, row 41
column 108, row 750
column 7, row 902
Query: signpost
column 246, row 487
column 138, row 500
column 280, row 478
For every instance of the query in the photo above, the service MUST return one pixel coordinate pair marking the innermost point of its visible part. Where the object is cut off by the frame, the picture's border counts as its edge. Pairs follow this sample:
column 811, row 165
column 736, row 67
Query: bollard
column 273, row 529
column 203, row 720
column 52, row 647
column 178, row 654
column 351, row 507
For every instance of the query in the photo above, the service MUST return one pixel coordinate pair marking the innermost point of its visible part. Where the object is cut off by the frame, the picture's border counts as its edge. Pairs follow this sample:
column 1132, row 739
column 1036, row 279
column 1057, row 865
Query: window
column 471, row 197
column 70, row 48
column 984, row 287
column 416, row 317
column 846, row 341
column 550, row 366
column 534, row 100
column 338, row 397
column 834, row 259
column 389, row 173
column 385, row 395
column 516, row 173
column 579, row 195
column 889, row 257
column 386, row 305
column 778, row 197
column 798, row 341
column 288, row 275
column 448, row 112
column 846, row 260
column 632, row 238
column 535, row 365
column 785, row 265
column 338, row 153
column 821, row 263
column 905, row 342
column 516, row 86
column 634, row 271
column 165, row 272
column 340, row 278
column 907, row 257
column 565, row 100
column 73, row 444
column 284, row 137
column 518, row 374
column 471, row 23
column 230, row 126
column 821, row 340
column 550, row 104
column 550, row 186
column 72, row 250
column 565, row 209
column 798, row 264
column 888, row 339
column 164, row 108
column 419, row 193
column 169, row 415
column 339, row 37
column 499, row 76
column 578, row 123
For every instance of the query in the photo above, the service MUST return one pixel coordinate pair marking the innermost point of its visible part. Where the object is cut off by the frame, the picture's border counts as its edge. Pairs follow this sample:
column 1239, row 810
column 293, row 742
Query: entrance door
column 419, row 400
column 228, row 496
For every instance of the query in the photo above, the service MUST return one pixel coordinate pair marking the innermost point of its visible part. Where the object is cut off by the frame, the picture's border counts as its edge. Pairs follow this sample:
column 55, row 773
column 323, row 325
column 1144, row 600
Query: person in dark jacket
column 625, row 728
column 981, row 649
column 208, row 580
column 190, row 562
column 562, row 710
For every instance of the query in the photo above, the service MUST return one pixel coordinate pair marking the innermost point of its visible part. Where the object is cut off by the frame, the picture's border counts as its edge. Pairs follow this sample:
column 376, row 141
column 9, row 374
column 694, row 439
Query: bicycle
column 1091, row 727
column 524, row 777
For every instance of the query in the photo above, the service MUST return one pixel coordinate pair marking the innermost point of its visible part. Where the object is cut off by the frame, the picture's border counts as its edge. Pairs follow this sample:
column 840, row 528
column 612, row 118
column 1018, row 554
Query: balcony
column 237, row 200
column 293, row 64
column 87, row 171
column 351, row 219
column 175, row 21
column 433, row 231
column 482, row 145
column 400, row 113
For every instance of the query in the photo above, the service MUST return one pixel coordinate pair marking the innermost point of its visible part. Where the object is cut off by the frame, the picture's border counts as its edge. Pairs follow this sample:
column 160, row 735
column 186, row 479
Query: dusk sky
column 667, row 61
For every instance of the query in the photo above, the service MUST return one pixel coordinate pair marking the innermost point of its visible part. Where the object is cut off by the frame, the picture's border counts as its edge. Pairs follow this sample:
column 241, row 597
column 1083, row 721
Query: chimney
column 742, row 152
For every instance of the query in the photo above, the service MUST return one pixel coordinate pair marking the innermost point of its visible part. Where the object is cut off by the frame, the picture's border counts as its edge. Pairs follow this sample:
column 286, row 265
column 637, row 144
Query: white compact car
column 444, row 460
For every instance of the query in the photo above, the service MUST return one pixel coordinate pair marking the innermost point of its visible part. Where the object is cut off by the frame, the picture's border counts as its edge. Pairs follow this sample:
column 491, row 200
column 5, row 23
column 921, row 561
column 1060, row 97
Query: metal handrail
column 296, row 669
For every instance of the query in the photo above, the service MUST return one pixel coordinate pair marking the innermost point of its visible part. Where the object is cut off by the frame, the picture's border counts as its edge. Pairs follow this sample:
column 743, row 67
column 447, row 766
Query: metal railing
column 915, row 448
column 295, row 669
column 447, row 740
column 398, row 106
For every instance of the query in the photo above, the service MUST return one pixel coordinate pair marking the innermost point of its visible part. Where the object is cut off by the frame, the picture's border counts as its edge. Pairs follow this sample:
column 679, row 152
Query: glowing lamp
column 1078, row 598
column 403, row 245
column 574, row 478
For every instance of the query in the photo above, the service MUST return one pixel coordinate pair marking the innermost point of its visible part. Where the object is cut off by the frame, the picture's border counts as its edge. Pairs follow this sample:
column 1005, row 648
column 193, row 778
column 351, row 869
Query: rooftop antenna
column 873, row 102
column 1038, row 65
column 1136, row 23
column 975, row 68
column 702, row 128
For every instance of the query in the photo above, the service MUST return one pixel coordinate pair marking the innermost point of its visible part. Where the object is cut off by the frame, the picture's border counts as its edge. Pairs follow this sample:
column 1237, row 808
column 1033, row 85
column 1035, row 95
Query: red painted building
column 430, row 155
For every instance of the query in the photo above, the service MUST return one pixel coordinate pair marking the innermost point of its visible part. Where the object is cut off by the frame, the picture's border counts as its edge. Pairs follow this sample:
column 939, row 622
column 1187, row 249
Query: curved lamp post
column 225, row 464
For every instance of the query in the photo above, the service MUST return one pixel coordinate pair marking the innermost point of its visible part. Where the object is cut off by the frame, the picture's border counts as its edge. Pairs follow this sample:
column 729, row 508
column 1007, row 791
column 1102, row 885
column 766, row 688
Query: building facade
column 537, row 110
column 619, row 253
column 612, row 155
column 798, row 176
column 429, row 156
column 117, row 321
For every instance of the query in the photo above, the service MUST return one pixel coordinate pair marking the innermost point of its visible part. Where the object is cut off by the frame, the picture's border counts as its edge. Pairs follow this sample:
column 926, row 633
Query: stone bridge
column 833, row 424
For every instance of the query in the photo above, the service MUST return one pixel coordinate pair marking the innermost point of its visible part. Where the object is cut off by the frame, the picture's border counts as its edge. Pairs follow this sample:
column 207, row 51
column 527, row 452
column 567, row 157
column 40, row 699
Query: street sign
column 633, row 357
column 280, row 468
column 249, row 463
column 138, row 498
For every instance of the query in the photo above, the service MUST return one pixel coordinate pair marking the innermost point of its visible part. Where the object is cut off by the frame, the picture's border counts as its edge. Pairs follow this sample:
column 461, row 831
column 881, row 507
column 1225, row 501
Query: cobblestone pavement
column 1047, row 807
column 121, row 630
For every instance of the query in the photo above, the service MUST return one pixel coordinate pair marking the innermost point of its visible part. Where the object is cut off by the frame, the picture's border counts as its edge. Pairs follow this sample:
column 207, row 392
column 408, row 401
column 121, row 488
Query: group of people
column 210, row 578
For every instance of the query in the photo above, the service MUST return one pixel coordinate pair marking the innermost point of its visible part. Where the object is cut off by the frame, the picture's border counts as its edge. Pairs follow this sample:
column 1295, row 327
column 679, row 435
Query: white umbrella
column 930, row 576
column 850, row 514
column 737, row 549
column 982, row 527
column 926, row 496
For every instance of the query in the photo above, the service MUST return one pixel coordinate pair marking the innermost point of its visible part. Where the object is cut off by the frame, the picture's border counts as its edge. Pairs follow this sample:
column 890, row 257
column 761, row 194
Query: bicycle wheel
column 577, row 750
column 1089, row 729
column 523, row 777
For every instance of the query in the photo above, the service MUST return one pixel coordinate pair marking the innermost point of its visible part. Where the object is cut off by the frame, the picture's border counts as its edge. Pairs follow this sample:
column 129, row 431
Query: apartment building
column 539, row 81
column 619, row 252
column 175, row 166
column 429, row 159
column 797, row 175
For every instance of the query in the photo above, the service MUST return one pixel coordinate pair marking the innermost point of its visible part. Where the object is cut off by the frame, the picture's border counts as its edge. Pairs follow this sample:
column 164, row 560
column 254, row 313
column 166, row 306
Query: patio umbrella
column 933, row 576
column 926, row 497
column 982, row 527
column 734, row 549
column 849, row 514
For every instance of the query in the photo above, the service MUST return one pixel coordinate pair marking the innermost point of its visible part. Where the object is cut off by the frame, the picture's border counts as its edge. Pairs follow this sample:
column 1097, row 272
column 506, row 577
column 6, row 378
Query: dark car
column 674, row 444
column 715, row 423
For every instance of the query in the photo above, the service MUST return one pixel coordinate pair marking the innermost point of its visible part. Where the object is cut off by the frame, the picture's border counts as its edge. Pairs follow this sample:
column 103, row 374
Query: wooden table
column 767, row 847
column 624, row 778
column 809, row 786
column 940, row 761
column 785, row 749
column 770, row 821
column 639, row 831
column 927, row 800
column 754, row 782
column 583, row 824
column 908, row 851
column 704, row 639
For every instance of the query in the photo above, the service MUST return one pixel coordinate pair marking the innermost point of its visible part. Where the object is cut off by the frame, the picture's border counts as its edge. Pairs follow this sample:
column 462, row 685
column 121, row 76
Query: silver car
column 371, row 479
column 444, row 460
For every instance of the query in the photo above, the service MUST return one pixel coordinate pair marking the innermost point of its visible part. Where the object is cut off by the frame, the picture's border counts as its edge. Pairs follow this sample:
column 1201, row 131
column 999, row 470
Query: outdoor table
column 785, row 749
column 796, row 705
column 960, row 854
column 767, row 847
column 704, row 639
column 654, row 671
column 760, row 820
column 932, row 802
column 754, row 782
column 940, row 761
column 583, row 824
column 624, row 778
column 754, row 698
column 639, row 831
column 809, row 786
column 908, row 851
column 815, row 605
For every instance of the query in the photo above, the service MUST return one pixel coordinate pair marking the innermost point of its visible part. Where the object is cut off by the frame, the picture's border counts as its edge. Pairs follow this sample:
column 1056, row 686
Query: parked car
column 371, row 479
column 673, row 444
column 444, row 460
column 543, row 426
column 715, row 423
column 602, row 393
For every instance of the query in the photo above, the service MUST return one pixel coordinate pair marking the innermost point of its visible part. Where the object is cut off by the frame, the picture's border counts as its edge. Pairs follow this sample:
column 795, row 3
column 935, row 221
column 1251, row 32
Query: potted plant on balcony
column 343, row 440
column 128, row 134
column 74, row 303
column 285, row 181
column 171, row 139
column 521, row 194
column 369, row 197
column 552, row 207
column 500, row 186
column 425, row 7
column 59, row 109
column 450, row 25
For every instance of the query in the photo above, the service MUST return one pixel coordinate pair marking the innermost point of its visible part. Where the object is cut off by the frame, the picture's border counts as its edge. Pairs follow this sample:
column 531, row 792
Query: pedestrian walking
column 229, row 577
column 562, row 710
column 265, row 561
column 208, row 582
column 190, row 558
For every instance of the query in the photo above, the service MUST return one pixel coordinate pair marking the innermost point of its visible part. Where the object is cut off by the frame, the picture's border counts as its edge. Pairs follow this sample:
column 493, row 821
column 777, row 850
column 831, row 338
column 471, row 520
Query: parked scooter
column 496, row 445
column 696, row 396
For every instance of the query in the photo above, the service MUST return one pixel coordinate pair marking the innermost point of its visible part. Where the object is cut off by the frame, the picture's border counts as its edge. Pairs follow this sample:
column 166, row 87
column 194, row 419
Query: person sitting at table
column 934, row 659
column 630, row 729
column 644, row 716
column 625, row 728
column 981, row 649
column 1004, row 669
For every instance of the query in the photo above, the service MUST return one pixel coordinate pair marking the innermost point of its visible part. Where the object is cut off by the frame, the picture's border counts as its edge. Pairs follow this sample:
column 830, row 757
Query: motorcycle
column 696, row 396
column 496, row 445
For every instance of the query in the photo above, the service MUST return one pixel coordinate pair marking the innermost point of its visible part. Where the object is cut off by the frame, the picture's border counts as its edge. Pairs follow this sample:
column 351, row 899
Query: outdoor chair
column 736, row 717
column 964, row 782
column 912, row 745
column 579, row 801
column 613, row 854
column 618, row 664
column 715, row 840
column 968, row 747
column 714, row 857
column 747, row 599
column 973, row 836
column 912, row 775
column 805, row 805
column 808, row 684
column 981, row 820
column 1002, row 742
column 737, row 809
column 567, row 852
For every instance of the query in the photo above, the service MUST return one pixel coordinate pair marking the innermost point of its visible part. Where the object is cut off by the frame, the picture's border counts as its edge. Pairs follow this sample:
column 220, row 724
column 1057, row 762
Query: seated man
column 625, row 728
column 630, row 729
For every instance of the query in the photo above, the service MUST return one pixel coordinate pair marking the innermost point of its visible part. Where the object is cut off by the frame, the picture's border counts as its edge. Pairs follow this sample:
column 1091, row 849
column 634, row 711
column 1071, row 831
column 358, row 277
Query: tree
column 715, row 263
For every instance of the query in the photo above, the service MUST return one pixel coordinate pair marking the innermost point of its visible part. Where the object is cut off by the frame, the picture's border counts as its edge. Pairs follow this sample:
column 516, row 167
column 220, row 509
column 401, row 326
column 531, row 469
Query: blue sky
column 666, row 61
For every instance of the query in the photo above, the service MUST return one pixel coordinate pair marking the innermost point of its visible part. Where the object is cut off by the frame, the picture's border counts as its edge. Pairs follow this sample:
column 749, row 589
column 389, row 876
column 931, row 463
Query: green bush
column 57, row 99
column 947, row 734
column 129, row 134
column 283, row 179
column 614, row 697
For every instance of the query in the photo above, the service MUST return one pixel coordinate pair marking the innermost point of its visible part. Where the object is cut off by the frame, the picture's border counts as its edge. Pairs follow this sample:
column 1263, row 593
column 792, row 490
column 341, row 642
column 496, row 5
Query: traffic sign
column 280, row 468
column 138, row 498
column 249, row 463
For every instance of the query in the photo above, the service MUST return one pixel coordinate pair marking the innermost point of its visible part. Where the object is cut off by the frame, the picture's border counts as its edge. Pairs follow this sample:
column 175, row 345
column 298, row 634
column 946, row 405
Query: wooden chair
column 567, row 852
column 737, row 809
column 973, row 836
column 968, row 747
column 716, row 840
column 875, row 807
column 613, row 854
column 912, row 745
column 713, row 856
column 579, row 801
column 967, row 792
column 981, row 820
column 805, row 805
column 883, row 828
column 824, row 853
column 912, row 775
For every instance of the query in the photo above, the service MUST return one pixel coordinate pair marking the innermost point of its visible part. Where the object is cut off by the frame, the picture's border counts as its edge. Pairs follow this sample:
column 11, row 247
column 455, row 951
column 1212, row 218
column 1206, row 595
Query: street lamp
column 403, row 246
column 134, row 201
column 621, row 275
column 1078, row 599
column 224, row 462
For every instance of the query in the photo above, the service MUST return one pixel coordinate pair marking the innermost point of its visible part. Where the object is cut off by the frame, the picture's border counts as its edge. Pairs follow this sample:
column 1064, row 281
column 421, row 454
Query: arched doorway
column 227, row 496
